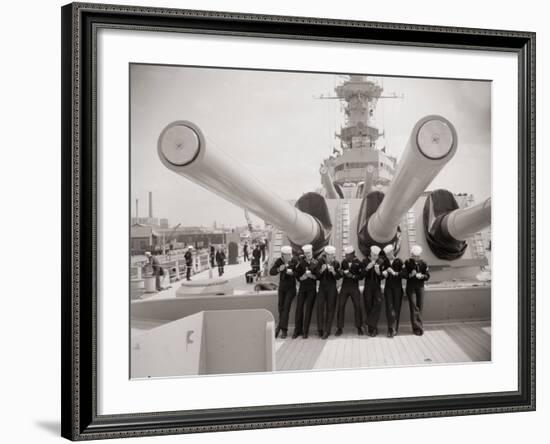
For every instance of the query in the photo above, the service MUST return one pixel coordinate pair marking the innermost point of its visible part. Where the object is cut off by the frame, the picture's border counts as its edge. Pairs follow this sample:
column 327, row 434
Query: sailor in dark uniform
column 305, row 273
column 262, row 250
column 245, row 252
column 372, row 293
column 220, row 260
column 393, row 289
column 212, row 255
column 189, row 262
column 417, row 273
column 285, row 267
column 256, row 253
column 352, row 271
column 328, row 273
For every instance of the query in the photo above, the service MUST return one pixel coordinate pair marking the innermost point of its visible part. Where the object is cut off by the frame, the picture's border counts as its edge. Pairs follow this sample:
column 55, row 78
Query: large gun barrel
column 464, row 222
column 432, row 143
column 182, row 148
column 326, row 180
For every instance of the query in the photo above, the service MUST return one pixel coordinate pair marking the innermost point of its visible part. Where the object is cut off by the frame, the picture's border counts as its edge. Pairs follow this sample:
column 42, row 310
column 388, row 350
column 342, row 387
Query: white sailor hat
column 329, row 249
column 190, row 247
column 147, row 253
column 307, row 248
column 388, row 248
column 286, row 249
column 416, row 250
column 374, row 249
column 349, row 249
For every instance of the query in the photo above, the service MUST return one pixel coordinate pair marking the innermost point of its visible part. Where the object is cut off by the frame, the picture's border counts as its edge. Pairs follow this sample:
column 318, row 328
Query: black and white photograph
column 307, row 221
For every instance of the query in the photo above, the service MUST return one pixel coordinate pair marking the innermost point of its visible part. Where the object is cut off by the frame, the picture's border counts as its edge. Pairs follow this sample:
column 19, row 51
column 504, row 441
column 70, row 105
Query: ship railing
column 174, row 267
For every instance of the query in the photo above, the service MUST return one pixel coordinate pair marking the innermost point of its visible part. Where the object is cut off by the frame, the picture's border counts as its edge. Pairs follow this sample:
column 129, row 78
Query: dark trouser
column 415, row 306
column 188, row 272
column 220, row 269
column 393, row 294
column 326, row 306
column 372, row 296
column 245, row 256
column 306, row 296
column 286, row 296
column 157, row 282
column 346, row 291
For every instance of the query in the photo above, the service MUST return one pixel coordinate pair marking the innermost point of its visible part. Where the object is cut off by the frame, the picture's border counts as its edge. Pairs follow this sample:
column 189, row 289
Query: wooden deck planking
column 430, row 352
column 355, row 354
column 393, row 350
column 380, row 357
column 387, row 351
column 298, row 350
column 432, row 342
column 440, row 344
column 326, row 359
column 479, row 336
column 463, row 341
column 456, row 354
column 408, row 341
column 348, row 351
column 301, row 356
column 281, row 355
column 405, row 358
column 339, row 357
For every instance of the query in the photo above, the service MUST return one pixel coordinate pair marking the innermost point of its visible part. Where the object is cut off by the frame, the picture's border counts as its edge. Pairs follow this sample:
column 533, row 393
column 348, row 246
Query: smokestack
column 150, row 204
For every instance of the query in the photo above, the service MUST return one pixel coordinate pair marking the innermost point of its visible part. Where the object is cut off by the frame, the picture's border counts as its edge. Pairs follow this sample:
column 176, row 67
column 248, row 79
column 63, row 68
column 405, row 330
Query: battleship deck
column 449, row 343
column 455, row 340
column 445, row 343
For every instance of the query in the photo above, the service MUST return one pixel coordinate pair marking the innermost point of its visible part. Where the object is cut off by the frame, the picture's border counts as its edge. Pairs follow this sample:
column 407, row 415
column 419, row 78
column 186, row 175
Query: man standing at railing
column 157, row 269
column 189, row 261
column 262, row 250
column 256, row 253
column 245, row 251
column 220, row 260
column 212, row 255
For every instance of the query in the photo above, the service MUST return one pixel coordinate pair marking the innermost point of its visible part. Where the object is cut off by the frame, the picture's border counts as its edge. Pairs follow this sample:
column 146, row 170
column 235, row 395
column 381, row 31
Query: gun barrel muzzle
column 182, row 148
column 432, row 143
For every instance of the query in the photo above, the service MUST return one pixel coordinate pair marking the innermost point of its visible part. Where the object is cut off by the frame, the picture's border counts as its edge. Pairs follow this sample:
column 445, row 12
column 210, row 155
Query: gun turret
column 432, row 143
column 182, row 148
column 447, row 227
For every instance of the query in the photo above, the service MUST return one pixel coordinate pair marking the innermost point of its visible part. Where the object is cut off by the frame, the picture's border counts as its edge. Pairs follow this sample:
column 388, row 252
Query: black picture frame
column 80, row 22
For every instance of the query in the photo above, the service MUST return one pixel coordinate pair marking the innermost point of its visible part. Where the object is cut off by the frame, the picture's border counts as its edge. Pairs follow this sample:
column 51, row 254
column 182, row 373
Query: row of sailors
column 380, row 265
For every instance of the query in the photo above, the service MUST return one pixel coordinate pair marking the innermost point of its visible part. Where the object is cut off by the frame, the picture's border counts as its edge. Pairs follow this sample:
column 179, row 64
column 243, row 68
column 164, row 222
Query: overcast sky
column 278, row 129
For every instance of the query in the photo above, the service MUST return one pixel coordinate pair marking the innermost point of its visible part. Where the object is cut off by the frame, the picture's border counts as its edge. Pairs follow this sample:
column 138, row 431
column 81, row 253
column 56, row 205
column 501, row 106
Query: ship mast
column 362, row 162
